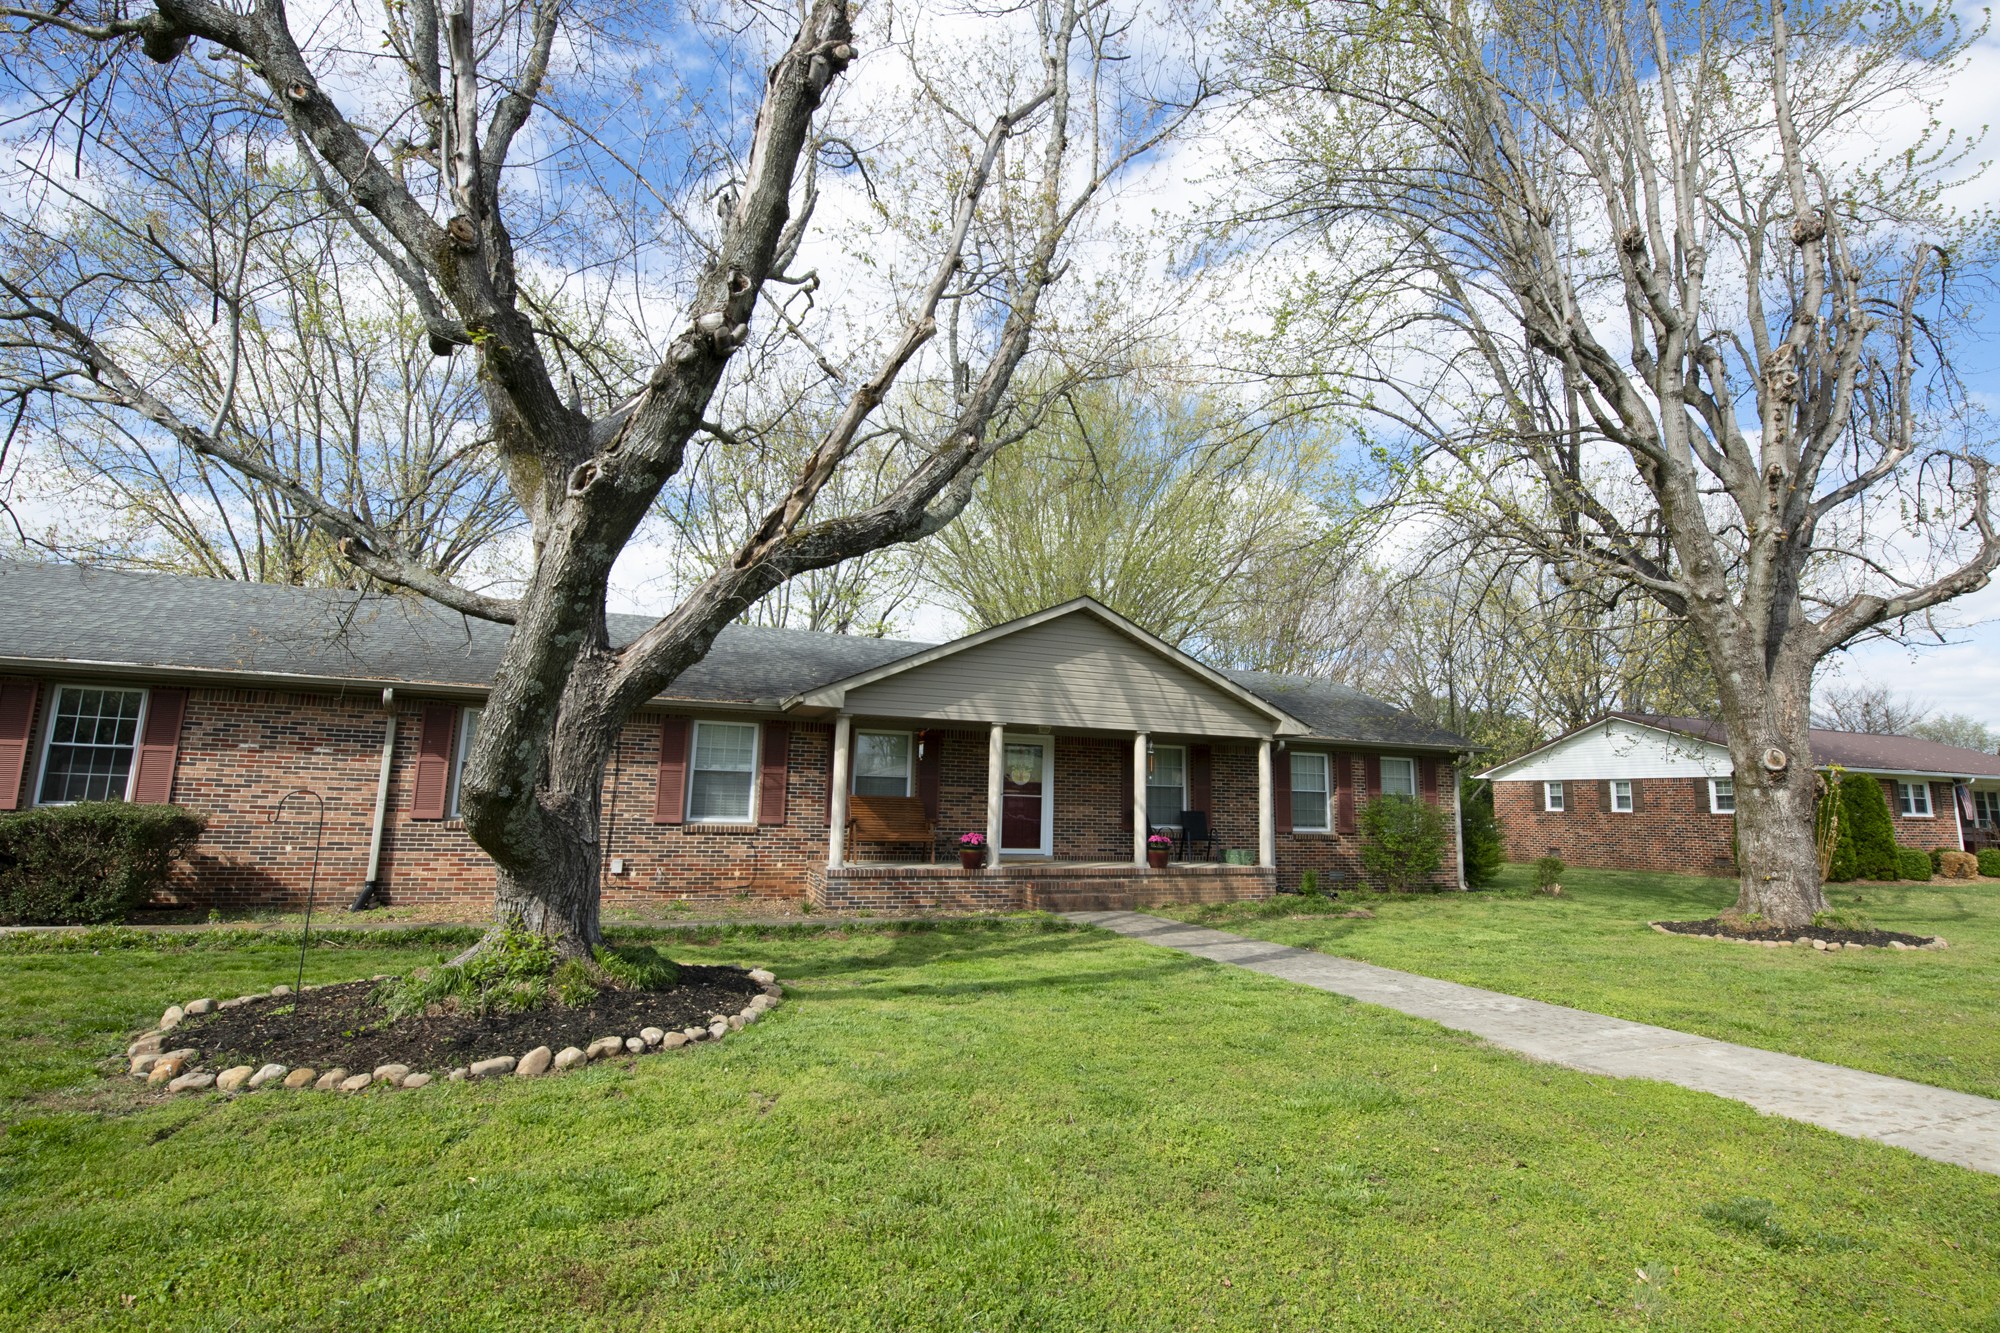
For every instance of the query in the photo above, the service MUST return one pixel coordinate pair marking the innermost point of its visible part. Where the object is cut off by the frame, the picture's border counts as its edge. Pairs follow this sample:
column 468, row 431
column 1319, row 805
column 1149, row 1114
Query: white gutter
column 373, row 884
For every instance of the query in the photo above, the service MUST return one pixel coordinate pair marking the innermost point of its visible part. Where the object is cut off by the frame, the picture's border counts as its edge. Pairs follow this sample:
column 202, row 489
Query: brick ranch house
column 1633, row 791
column 787, row 763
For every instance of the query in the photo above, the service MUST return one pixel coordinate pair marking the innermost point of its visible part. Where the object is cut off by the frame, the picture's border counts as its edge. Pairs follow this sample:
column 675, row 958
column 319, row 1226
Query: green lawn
column 1932, row 1016
column 982, row 1126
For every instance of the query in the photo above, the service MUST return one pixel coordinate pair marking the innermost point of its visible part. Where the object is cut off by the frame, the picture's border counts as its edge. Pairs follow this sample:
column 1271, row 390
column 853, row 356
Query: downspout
column 1458, row 817
column 372, row 886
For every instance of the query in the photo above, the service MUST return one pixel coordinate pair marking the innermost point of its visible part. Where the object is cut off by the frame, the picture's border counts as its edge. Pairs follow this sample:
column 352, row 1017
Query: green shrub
column 638, row 967
column 1913, row 863
column 1989, row 864
column 1309, row 884
column 1485, row 849
column 1937, row 859
column 1865, row 815
column 67, row 865
column 1548, row 872
column 1402, row 842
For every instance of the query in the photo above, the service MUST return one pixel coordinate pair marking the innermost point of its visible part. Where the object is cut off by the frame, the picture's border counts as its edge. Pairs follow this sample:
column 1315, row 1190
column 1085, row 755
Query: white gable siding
column 1617, row 749
column 1073, row 671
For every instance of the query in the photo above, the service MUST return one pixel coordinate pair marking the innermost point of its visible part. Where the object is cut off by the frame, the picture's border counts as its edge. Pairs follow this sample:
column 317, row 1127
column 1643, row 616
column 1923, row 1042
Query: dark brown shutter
column 433, row 784
column 1281, row 790
column 1427, row 778
column 159, row 747
column 1371, row 776
column 1126, row 794
column 930, row 771
column 670, row 794
column 1604, row 796
column 1343, row 793
column 1200, row 765
column 773, row 771
column 17, row 716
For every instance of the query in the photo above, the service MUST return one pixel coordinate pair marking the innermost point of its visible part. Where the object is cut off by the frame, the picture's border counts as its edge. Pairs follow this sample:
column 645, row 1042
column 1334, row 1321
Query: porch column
column 1139, row 829
column 1267, row 823
column 836, row 836
column 996, row 772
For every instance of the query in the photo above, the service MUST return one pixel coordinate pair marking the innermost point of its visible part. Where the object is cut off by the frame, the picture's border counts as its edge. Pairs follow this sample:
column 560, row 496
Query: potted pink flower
column 972, row 850
column 1159, row 847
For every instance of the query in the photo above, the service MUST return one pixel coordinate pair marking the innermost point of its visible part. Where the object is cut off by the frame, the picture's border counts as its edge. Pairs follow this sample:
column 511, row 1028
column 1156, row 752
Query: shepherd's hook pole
column 312, row 883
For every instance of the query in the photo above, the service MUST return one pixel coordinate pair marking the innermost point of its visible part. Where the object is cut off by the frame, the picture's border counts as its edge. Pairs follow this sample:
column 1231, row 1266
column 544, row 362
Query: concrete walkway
column 1954, row 1127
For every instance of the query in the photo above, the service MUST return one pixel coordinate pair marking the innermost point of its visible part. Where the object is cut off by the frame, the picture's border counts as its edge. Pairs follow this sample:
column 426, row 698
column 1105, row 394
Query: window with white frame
column 1914, row 799
column 1399, row 777
column 882, row 763
column 1986, row 809
column 723, row 774
column 1554, row 797
column 1621, row 795
column 1722, row 796
column 1311, row 792
column 93, row 734
column 468, row 731
column 1166, row 785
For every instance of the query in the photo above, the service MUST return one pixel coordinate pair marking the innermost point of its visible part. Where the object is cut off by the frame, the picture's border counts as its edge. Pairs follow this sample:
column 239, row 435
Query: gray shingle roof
column 1853, row 749
column 68, row 613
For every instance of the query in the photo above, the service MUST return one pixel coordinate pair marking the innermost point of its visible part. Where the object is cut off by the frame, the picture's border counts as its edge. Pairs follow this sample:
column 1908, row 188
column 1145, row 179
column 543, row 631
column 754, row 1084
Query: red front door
column 1023, row 791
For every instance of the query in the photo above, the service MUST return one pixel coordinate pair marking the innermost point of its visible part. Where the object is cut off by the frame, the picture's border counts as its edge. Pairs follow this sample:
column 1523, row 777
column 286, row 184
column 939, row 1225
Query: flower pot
column 972, row 857
column 1158, row 859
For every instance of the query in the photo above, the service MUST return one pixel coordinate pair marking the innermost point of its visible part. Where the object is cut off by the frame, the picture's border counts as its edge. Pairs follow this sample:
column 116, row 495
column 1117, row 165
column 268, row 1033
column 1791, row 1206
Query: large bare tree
column 493, row 156
column 1660, row 292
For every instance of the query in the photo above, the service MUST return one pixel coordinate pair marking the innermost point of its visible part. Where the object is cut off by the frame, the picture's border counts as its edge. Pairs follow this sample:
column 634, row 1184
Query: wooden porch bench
column 890, row 819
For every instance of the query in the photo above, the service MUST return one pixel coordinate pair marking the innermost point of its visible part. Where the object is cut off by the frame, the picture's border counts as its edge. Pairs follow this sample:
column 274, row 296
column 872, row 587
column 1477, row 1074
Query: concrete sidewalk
column 1954, row 1127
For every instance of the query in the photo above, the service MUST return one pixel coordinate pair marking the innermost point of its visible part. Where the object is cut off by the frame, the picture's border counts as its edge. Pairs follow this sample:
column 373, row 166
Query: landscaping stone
column 535, row 1063
column 416, row 1081
column 635, row 1045
column 762, row 1002
column 673, row 1041
column 762, row 976
column 719, row 1029
column 604, row 1046
column 151, row 1041
column 356, row 1082
column 166, row 1067
column 747, row 1017
column 143, row 1064
column 195, row 1082
column 267, row 1074
column 281, row 990
column 171, row 1018
column 230, row 1004
column 393, row 1075
column 652, row 1036
column 569, row 1057
column 734, row 1022
column 196, row 1008
column 300, row 1078
column 694, row 1034
column 458, row 1075
column 233, row 1078
column 330, row 1080
column 499, row 1064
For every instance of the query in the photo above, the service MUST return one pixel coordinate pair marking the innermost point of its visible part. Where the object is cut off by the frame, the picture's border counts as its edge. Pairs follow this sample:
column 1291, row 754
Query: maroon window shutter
column 1201, row 762
column 670, row 796
column 1343, row 793
column 1126, row 794
column 433, row 784
column 1281, row 789
column 930, row 771
column 1427, row 778
column 773, row 770
column 1371, row 776
column 17, row 716
column 159, row 747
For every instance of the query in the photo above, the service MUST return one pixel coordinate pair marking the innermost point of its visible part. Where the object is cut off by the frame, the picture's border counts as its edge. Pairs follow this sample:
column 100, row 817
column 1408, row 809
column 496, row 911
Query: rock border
column 1807, row 939
column 180, row 1069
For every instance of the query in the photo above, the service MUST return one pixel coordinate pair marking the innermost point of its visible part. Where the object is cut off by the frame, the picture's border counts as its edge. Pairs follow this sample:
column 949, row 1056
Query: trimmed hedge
column 69, row 865
column 1989, row 864
column 1864, row 819
column 1913, row 863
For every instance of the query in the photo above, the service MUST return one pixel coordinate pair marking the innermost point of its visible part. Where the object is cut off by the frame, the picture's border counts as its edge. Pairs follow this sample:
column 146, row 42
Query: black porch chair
column 1195, row 830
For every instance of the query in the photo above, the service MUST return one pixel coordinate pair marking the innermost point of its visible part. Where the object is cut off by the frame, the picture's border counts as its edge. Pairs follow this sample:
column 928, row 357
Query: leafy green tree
column 1485, row 850
column 1402, row 842
column 1865, row 819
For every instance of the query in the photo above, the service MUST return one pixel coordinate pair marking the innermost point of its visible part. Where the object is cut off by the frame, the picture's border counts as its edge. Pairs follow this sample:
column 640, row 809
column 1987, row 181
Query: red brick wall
column 1940, row 830
column 1670, row 829
column 1336, row 856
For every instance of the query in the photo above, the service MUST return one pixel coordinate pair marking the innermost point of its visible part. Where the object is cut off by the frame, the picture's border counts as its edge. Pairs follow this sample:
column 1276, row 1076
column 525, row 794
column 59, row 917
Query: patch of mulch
column 339, row 1026
column 1873, row 939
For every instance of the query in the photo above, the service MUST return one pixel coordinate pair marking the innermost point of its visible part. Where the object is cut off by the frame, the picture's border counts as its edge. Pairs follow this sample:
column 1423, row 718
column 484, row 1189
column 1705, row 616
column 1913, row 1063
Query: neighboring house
column 1640, row 792
column 785, row 763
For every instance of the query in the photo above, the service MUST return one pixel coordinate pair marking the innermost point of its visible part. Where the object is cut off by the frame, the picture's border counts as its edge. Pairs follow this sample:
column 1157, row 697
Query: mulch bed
column 340, row 1027
column 1873, row 939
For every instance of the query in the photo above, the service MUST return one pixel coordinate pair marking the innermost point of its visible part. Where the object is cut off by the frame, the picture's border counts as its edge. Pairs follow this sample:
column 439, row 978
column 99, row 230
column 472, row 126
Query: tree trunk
column 1777, row 856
